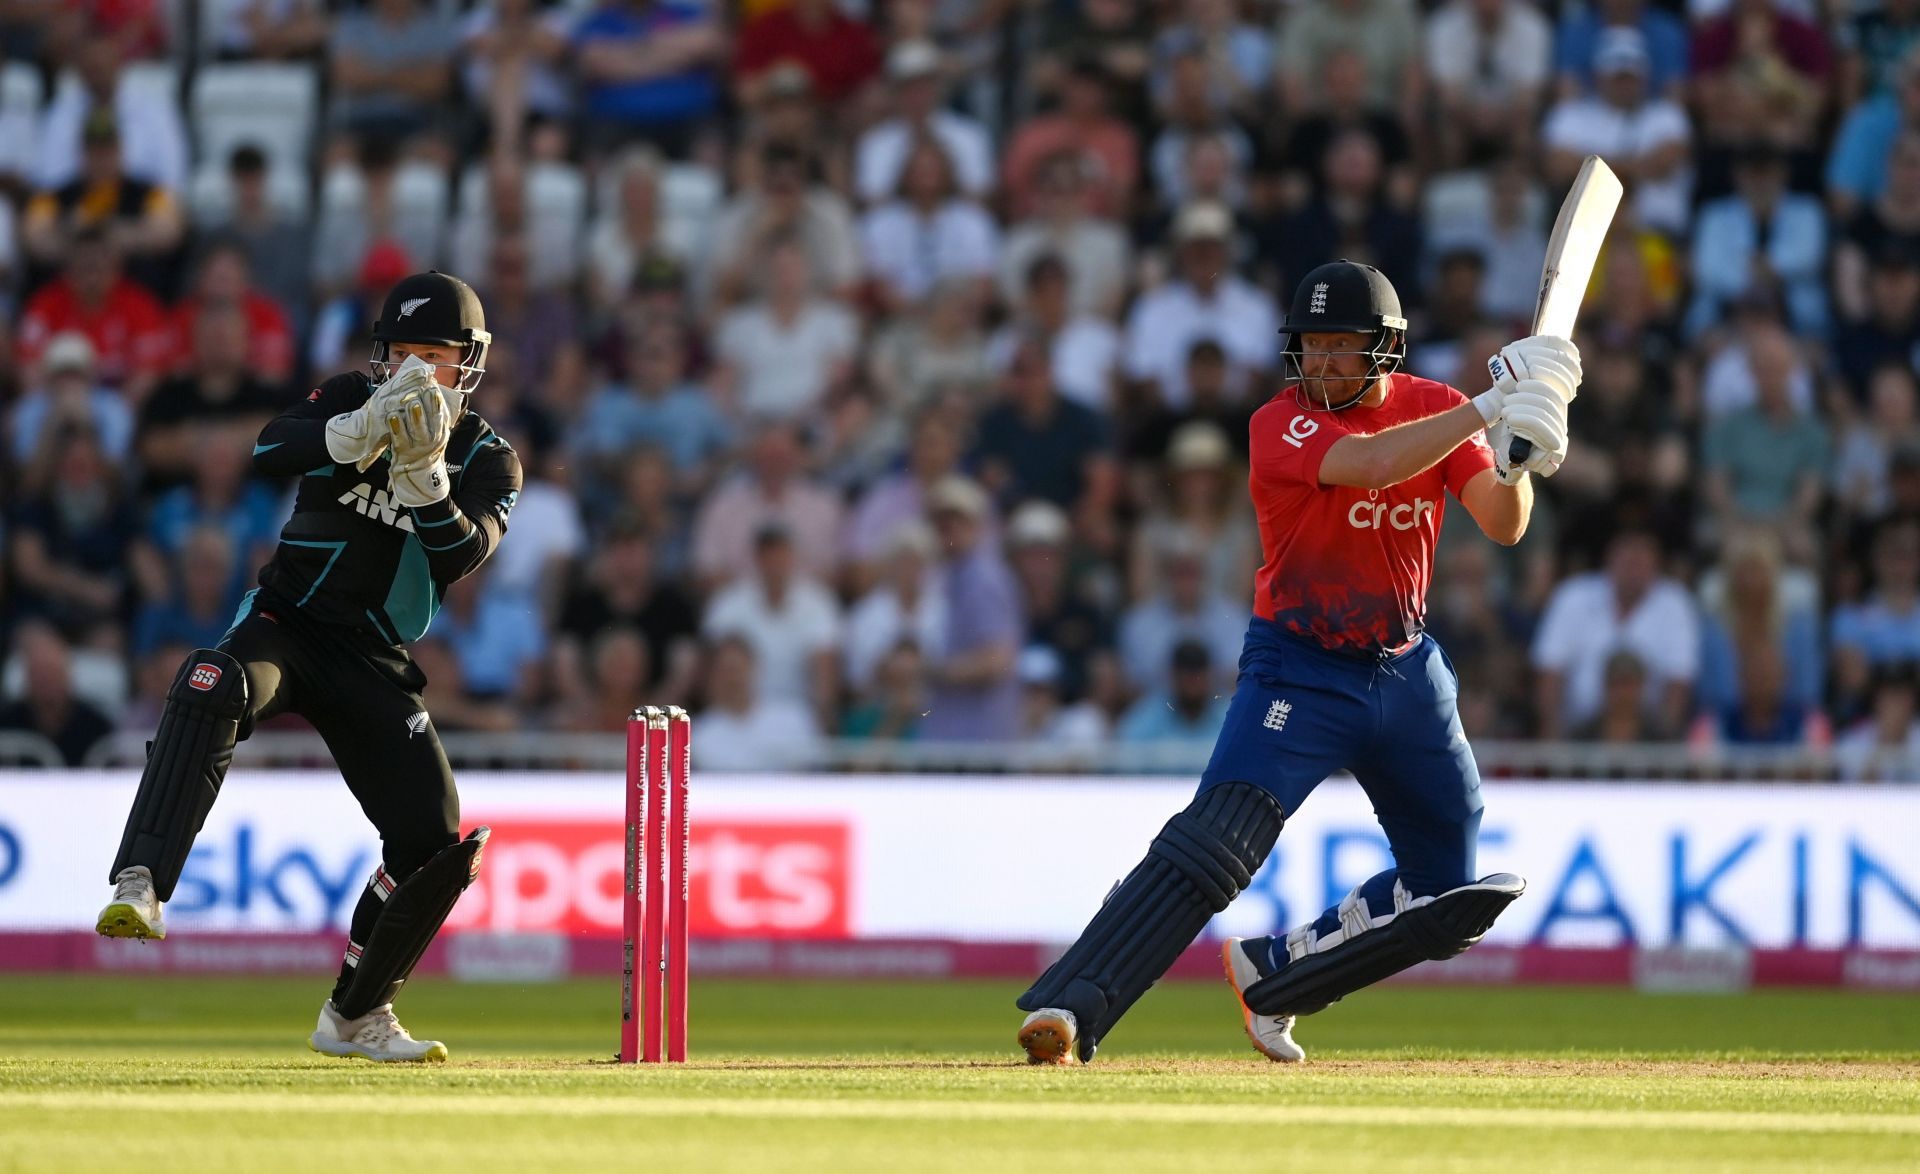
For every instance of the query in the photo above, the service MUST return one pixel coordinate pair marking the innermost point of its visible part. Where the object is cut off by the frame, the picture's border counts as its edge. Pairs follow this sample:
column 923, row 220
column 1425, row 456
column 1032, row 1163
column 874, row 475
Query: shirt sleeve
column 1473, row 457
column 459, row 531
column 1290, row 443
column 295, row 442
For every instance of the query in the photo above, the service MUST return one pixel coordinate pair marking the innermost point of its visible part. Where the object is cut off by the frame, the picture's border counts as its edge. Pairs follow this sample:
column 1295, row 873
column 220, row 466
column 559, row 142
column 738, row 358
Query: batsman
column 402, row 492
column 1351, row 465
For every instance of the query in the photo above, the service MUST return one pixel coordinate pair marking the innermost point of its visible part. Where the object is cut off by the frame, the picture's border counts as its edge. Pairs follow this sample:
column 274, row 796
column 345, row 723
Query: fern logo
column 416, row 724
column 411, row 304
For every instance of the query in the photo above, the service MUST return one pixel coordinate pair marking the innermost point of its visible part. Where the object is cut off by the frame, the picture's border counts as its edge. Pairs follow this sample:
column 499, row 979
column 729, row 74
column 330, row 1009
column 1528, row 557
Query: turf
column 171, row 1074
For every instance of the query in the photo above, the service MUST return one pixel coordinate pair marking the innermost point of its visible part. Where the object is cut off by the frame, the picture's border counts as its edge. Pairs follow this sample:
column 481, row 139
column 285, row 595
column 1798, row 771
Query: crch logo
column 1372, row 515
column 204, row 676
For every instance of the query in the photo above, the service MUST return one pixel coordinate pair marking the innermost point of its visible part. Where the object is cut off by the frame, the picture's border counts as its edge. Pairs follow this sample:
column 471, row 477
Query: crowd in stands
column 882, row 368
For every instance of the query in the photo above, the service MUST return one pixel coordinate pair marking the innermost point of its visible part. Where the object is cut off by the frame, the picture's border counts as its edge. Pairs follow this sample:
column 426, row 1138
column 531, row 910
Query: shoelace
column 382, row 1026
column 133, row 888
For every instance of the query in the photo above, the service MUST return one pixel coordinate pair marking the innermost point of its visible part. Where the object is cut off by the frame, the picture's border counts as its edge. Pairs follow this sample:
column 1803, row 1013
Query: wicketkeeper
column 402, row 492
column 1352, row 463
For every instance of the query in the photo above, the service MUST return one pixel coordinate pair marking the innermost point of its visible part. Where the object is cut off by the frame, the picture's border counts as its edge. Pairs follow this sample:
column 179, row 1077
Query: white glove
column 1500, row 440
column 1548, row 358
column 421, row 481
column 360, row 436
column 1536, row 414
column 1492, row 402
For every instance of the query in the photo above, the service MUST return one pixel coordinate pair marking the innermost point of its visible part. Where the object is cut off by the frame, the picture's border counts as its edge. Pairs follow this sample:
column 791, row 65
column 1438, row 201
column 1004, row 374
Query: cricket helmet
column 1346, row 297
column 438, row 309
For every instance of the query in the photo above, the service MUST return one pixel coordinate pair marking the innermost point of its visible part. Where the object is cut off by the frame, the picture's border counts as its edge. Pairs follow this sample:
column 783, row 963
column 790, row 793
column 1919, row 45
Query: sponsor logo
column 377, row 504
column 416, row 724
column 1298, row 429
column 1277, row 715
column 411, row 304
column 204, row 676
column 745, row 878
column 1372, row 515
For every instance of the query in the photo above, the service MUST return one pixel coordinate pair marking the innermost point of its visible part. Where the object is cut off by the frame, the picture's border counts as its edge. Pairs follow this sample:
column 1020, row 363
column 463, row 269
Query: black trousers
column 364, row 698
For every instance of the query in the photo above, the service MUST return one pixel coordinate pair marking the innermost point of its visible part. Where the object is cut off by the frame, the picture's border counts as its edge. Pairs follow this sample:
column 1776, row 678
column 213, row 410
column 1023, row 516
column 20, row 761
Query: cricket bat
column 1571, row 252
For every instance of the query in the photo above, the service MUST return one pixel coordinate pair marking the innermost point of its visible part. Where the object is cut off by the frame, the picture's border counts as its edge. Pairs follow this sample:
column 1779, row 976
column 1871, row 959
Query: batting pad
column 186, row 763
column 411, row 916
column 1368, row 947
column 1195, row 867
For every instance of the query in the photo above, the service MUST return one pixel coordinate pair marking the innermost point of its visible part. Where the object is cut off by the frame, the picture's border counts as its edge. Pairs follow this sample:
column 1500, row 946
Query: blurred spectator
column 1059, row 619
column 974, row 695
column 126, row 325
column 1782, row 57
column 1889, row 224
column 1349, row 218
column 70, row 531
column 1095, row 251
column 639, row 231
column 792, row 622
column 1387, row 35
column 839, row 52
column 270, row 29
column 1642, row 136
column 1630, row 606
column 68, row 395
column 548, row 534
column 1890, row 331
column 217, row 393
column 1622, row 718
column 770, row 489
column 1508, row 236
column 1862, row 146
column 152, row 136
column 454, row 711
column 1204, row 299
column 787, row 202
column 223, row 283
column 495, row 636
column 779, row 353
column 918, row 358
column 49, row 707
column 513, row 64
column 219, row 494
column 1112, row 34
column 1344, row 103
column 1582, row 26
column 1761, row 350
column 647, row 69
column 503, row 210
column 740, row 729
column 895, row 699
column 1476, row 616
column 1182, row 610
column 1863, row 460
column 1239, row 59
column 1752, row 607
column 277, row 246
column 905, row 604
column 928, row 233
column 1197, row 503
column 657, row 405
column 1047, row 717
column 1884, row 747
column 619, row 586
column 1882, row 628
column 917, row 92
column 1768, row 462
column 1454, row 295
column 1873, row 40
column 201, row 597
column 1084, row 347
column 1034, row 443
column 1189, row 706
column 1763, row 239
column 1762, row 713
column 1192, row 117
column 1489, row 61
column 142, row 218
column 539, row 325
column 388, row 66
column 152, row 677
column 900, row 498
column 1104, row 148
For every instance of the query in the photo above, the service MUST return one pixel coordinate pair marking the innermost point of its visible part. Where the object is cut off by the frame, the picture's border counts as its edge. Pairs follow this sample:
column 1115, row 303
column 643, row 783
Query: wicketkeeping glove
column 421, row 481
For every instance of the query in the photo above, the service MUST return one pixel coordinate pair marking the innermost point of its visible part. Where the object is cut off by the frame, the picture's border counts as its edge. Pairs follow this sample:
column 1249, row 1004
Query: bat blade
column 1578, row 232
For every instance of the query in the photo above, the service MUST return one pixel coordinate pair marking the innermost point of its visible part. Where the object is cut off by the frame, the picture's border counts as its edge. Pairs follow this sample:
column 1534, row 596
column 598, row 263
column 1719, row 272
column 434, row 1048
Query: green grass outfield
column 165, row 1074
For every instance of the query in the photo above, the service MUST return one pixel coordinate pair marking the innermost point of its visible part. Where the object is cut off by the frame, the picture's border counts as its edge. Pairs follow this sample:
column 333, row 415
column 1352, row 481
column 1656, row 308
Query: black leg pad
column 186, row 763
column 1195, row 867
column 413, row 913
column 1440, row 928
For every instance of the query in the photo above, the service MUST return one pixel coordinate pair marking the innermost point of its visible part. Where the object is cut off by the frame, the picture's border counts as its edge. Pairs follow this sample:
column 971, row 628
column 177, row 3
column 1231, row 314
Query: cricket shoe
column 1272, row 1035
column 377, row 1035
column 1051, row 1035
column 134, row 911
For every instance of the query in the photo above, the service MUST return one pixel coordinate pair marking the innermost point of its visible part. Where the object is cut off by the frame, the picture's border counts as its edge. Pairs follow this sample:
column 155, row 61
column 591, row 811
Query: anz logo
column 379, row 505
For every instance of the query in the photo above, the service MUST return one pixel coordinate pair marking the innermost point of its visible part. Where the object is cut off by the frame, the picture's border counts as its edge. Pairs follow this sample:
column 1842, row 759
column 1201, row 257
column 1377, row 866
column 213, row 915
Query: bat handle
column 1518, row 451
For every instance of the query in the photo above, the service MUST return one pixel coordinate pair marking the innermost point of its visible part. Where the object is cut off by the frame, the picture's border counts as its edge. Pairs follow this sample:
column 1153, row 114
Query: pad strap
column 186, row 763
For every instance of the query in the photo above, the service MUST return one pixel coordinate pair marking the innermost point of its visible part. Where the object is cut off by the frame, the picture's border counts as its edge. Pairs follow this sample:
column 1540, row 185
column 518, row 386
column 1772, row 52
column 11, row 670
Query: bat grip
column 1518, row 451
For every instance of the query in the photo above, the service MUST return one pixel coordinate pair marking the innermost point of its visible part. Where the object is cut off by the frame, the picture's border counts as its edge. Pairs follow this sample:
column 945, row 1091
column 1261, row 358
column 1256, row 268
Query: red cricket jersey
column 1349, row 568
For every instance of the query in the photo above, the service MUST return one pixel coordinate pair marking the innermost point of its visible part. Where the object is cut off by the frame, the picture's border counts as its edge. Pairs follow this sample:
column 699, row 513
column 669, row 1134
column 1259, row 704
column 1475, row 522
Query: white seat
column 19, row 117
column 273, row 105
column 20, row 87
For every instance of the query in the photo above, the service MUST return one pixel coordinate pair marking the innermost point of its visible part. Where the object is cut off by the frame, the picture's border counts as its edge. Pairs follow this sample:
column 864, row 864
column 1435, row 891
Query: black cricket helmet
column 1346, row 297
column 438, row 309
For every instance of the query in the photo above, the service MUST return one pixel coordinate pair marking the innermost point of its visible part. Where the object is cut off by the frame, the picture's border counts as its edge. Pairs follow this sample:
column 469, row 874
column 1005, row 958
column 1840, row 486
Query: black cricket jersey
column 353, row 556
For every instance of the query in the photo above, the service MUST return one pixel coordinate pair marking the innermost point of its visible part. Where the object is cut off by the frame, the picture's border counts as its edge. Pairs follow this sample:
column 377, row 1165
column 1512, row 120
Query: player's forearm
column 1391, row 456
column 456, row 542
column 290, row 446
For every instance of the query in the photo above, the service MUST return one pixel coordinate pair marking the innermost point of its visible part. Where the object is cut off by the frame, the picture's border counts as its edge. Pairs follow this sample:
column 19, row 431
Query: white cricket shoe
column 1272, row 1035
column 377, row 1035
column 1051, row 1035
column 134, row 911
